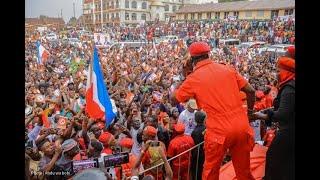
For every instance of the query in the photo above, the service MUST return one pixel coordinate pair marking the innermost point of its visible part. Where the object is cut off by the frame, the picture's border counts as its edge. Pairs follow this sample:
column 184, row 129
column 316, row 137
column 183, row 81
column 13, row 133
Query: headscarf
column 286, row 66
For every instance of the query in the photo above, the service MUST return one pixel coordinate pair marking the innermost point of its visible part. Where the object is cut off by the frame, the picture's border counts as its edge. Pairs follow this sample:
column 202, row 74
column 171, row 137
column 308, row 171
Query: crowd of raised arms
column 140, row 82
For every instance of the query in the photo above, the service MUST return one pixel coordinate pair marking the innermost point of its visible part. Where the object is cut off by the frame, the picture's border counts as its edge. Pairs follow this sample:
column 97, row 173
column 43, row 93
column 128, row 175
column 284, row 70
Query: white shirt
column 187, row 118
column 136, row 147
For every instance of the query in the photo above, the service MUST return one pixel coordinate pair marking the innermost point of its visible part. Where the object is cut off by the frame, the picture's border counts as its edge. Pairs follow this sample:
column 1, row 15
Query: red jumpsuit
column 178, row 145
column 216, row 88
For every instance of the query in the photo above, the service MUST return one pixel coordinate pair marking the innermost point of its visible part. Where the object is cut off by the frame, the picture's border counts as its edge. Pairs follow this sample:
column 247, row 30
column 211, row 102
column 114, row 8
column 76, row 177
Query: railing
column 179, row 156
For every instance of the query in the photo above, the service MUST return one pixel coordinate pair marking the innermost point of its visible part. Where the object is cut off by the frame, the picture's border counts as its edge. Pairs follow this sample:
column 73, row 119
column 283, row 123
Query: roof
column 45, row 20
column 238, row 6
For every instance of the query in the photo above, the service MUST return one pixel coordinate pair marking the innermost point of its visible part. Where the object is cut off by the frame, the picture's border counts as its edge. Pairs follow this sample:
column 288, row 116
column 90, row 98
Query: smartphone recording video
column 116, row 159
column 84, row 164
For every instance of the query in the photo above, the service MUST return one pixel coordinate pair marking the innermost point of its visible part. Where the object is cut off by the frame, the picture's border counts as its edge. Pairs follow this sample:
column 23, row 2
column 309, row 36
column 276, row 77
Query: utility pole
column 74, row 12
column 101, row 14
column 94, row 16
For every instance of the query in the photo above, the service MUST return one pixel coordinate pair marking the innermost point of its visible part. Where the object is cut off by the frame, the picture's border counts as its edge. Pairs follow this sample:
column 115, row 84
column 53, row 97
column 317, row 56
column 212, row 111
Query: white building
column 205, row 1
column 129, row 11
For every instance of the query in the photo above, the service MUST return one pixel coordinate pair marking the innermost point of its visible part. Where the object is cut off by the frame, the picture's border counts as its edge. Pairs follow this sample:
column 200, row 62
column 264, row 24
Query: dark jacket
column 198, row 137
column 284, row 107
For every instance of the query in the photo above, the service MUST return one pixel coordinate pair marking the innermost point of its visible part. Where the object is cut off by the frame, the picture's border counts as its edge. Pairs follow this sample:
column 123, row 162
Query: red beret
column 126, row 142
column 199, row 48
column 105, row 137
column 287, row 63
column 179, row 128
column 292, row 51
column 150, row 131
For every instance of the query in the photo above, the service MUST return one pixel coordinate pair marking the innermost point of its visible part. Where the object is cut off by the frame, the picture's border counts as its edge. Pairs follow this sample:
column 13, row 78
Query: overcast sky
column 35, row 8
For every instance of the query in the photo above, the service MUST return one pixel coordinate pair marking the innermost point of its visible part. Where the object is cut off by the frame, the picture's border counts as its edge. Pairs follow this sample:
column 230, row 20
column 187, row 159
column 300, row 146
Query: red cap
column 105, row 137
column 292, row 51
column 199, row 48
column 259, row 94
column 179, row 128
column 150, row 131
column 126, row 142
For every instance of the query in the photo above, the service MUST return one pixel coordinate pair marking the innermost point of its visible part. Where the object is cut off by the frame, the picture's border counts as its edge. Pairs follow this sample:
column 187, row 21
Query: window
column 249, row 14
column 174, row 8
column 274, row 14
column 208, row 15
column 217, row 15
column 226, row 14
column 185, row 16
column 192, row 15
column 236, row 13
column 260, row 13
column 105, row 6
column 112, row 5
column 143, row 16
column 290, row 11
column 117, row 15
column 134, row 16
column 199, row 16
column 127, row 16
column 112, row 16
column 134, row 4
column 126, row 4
column 166, row 8
column 144, row 5
column 107, row 16
column 117, row 4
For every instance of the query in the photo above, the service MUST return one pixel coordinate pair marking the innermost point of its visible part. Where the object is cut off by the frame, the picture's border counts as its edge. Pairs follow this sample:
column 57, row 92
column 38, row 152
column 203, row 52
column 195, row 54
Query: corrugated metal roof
column 238, row 6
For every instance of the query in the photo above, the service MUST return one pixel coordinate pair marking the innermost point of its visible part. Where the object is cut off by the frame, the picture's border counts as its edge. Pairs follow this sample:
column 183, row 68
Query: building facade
column 247, row 10
column 97, row 12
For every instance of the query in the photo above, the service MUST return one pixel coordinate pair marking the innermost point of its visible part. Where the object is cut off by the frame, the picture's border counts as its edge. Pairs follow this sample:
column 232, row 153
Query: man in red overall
column 179, row 144
column 216, row 88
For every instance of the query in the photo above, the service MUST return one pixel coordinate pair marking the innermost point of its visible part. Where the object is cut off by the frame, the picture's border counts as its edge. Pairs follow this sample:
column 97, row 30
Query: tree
column 72, row 21
column 222, row 1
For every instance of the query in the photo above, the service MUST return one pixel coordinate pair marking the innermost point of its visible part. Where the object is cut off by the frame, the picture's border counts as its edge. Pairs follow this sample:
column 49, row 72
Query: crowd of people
column 140, row 83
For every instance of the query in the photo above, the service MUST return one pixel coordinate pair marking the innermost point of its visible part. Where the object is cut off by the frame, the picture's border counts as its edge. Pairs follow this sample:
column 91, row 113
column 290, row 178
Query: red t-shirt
column 178, row 145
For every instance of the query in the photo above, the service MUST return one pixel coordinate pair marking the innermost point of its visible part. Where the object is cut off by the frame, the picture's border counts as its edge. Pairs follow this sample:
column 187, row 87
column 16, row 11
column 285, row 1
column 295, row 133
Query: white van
column 229, row 42
column 279, row 49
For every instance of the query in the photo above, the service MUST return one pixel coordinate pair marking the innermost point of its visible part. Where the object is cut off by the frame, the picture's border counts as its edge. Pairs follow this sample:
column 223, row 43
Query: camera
column 108, row 162
column 116, row 159
column 84, row 164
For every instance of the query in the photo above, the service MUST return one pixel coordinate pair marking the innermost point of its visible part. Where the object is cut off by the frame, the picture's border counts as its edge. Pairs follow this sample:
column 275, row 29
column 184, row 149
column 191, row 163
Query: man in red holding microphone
column 216, row 88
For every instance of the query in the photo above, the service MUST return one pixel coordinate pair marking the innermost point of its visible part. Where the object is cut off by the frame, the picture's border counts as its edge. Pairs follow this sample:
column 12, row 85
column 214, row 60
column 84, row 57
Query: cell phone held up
column 116, row 159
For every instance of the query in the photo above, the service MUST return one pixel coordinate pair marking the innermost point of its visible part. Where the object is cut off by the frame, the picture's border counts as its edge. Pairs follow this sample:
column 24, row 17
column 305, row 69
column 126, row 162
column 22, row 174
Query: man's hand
column 260, row 115
column 57, row 150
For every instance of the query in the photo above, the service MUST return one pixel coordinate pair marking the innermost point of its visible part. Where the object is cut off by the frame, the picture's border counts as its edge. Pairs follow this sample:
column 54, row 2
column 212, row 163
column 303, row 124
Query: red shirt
column 269, row 100
column 178, row 145
column 126, row 168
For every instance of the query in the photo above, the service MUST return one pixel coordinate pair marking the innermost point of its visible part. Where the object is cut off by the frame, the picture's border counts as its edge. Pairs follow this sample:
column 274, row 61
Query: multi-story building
column 44, row 21
column 260, row 9
column 96, row 12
